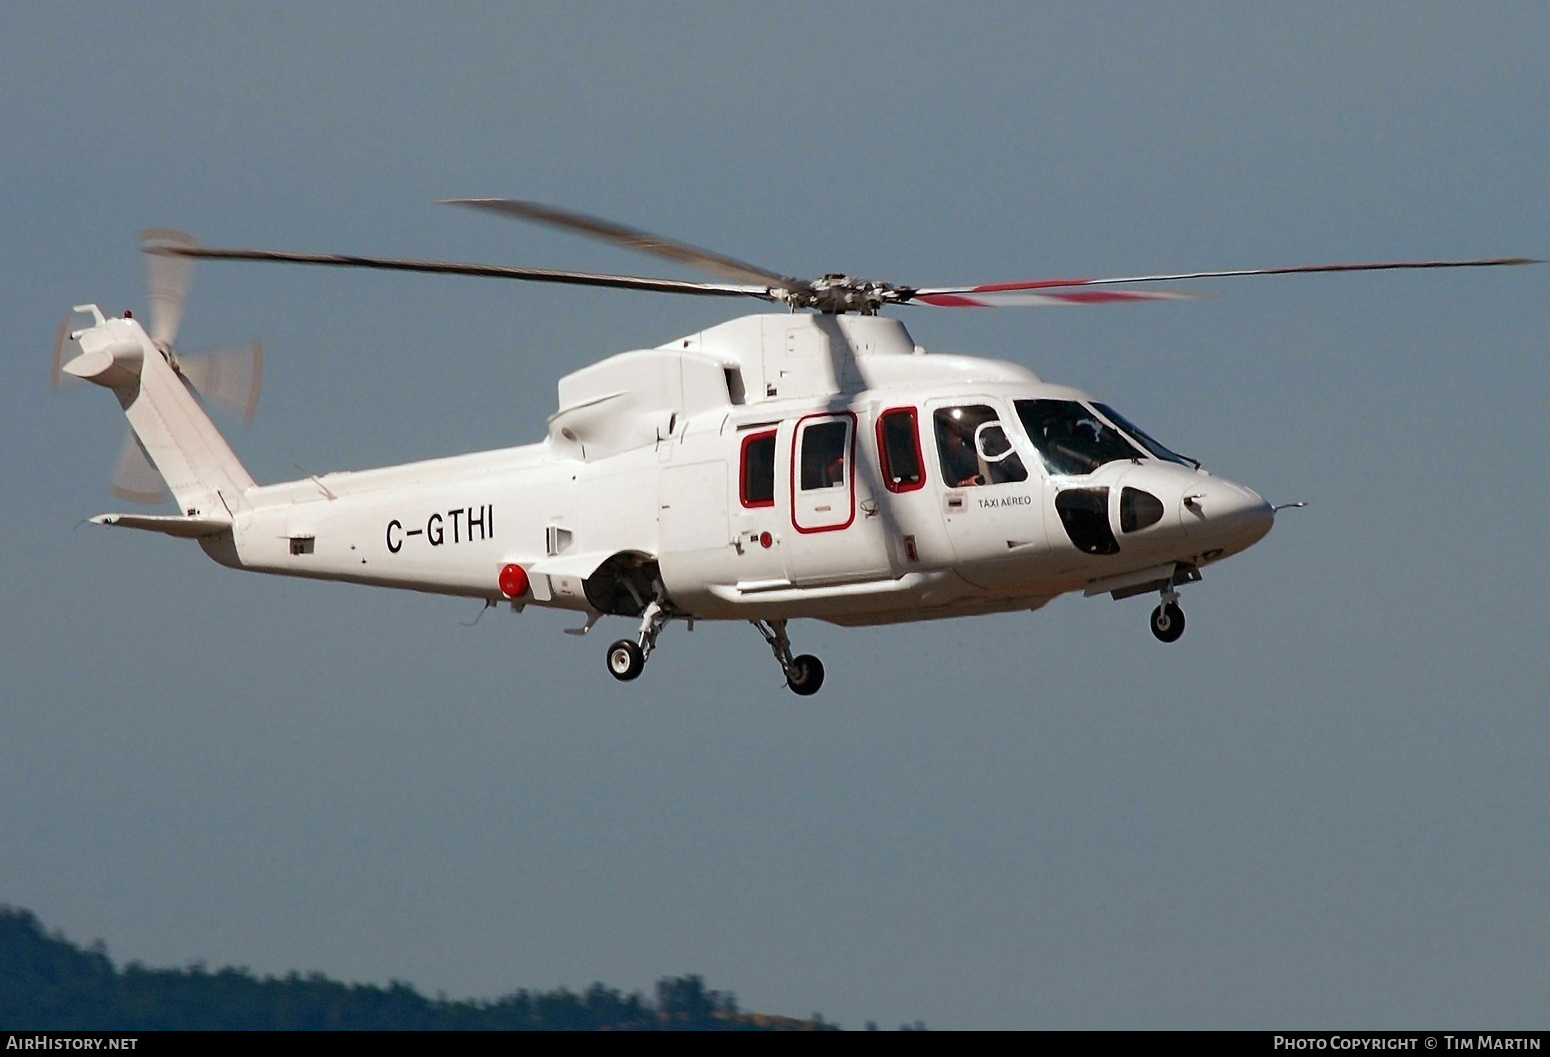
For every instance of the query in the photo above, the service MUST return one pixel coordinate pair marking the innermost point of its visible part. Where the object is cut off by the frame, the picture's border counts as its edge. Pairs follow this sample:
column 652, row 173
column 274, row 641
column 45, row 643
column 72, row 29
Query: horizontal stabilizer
column 182, row 527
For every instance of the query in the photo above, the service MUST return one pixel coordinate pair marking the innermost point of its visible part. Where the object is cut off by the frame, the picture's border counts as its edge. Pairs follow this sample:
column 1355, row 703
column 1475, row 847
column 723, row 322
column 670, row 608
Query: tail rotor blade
column 61, row 336
column 134, row 479
column 229, row 378
column 168, row 277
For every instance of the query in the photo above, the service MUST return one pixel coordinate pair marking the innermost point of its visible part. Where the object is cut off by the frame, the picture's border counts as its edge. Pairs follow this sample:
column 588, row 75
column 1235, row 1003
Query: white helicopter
column 812, row 463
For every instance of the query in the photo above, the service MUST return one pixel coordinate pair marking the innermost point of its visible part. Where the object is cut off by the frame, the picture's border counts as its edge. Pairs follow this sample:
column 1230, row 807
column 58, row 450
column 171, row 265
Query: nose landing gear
column 1168, row 618
column 804, row 673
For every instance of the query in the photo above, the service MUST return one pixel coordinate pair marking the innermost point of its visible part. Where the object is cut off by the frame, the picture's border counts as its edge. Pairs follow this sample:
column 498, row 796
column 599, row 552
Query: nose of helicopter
column 1235, row 517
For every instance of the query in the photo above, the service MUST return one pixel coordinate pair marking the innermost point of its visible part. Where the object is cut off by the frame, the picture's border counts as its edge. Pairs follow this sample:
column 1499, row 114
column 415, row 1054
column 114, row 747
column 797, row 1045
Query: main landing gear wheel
column 806, row 675
column 1168, row 622
column 625, row 660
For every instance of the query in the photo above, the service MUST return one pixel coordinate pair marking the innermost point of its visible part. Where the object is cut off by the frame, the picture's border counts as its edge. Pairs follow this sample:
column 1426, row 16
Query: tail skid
column 201, row 470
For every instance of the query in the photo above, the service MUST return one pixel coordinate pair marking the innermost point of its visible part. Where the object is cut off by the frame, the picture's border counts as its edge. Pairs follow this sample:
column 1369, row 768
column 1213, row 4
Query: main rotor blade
column 712, row 263
column 168, row 278
column 625, row 282
column 927, row 294
column 1035, row 299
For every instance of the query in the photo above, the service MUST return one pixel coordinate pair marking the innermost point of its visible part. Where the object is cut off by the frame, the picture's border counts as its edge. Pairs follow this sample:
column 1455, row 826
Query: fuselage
column 775, row 467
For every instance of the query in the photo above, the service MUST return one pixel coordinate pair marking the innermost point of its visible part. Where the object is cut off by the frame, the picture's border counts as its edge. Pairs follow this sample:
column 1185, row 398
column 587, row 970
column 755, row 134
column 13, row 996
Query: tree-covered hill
column 49, row 983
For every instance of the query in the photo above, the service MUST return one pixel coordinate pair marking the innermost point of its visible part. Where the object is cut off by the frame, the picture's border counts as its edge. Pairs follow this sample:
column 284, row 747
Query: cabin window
column 975, row 449
column 756, row 479
column 898, row 450
column 824, row 449
column 823, row 492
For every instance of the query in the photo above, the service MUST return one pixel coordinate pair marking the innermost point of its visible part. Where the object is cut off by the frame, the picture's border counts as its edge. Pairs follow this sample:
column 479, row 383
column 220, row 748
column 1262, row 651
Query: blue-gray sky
column 1325, row 806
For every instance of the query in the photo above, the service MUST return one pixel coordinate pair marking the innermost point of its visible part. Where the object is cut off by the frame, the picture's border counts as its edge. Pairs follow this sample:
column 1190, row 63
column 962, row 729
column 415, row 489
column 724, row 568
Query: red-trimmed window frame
column 882, row 450
column 742, row 470
column 850, row 471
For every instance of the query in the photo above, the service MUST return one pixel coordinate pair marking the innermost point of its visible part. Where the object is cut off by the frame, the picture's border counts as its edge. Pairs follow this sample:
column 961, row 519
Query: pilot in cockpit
column 960, row 463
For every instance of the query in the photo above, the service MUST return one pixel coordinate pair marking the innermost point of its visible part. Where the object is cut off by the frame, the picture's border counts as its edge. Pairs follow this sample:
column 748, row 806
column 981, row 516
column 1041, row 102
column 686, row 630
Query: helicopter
column 809, row 463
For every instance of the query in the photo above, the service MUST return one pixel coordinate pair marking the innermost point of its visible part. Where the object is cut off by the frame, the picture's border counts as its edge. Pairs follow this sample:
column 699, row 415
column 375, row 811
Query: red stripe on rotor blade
column 949, row 301
column 1099, row 297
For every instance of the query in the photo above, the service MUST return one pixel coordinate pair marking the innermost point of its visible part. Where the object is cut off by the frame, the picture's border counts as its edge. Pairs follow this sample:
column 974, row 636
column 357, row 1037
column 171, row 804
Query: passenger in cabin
column 834, row 473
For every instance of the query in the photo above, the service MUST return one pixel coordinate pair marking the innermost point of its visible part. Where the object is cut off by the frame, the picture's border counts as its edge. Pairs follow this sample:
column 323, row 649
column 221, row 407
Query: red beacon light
column 513, row 581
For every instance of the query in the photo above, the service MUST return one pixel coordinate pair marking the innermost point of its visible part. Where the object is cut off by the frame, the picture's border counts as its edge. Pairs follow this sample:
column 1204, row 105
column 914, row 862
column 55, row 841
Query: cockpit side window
column 974, row 448
column 898, row 448
column 1071, row 439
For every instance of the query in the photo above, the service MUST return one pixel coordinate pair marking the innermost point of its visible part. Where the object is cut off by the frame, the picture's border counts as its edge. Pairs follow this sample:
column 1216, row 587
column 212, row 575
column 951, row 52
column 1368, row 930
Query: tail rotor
column 61, row 338
column 134, row 479
column 228, row 378
column 167, row 278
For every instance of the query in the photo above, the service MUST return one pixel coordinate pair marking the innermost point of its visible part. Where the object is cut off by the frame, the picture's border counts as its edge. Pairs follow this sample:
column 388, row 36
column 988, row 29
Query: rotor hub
column 836, row 294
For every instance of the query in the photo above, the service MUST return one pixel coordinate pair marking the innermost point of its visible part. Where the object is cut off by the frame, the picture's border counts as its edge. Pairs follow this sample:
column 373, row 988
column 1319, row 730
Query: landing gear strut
column 804, row 673
column 1168, row 618
column 627, row 659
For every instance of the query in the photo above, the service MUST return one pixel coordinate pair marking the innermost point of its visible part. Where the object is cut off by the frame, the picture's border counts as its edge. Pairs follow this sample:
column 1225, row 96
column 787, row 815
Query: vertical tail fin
column 202, row 471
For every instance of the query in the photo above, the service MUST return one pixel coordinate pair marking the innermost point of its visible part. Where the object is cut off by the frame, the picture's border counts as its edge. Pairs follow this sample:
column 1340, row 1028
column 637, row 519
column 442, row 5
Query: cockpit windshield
column 1071, row 439
column 1157, row 450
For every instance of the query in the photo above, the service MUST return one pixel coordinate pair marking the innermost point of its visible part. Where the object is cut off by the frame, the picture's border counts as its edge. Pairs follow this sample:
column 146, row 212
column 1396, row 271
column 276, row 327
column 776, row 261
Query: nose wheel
column 804, row 673
column 1168, row 618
